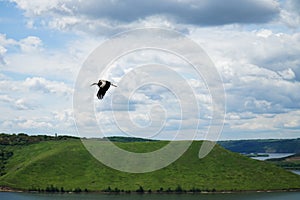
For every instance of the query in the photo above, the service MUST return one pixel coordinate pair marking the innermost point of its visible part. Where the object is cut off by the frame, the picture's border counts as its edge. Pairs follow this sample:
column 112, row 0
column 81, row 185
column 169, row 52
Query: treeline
column 128, row 139
column 24, row 139
column 54, row 189
column 140, row 190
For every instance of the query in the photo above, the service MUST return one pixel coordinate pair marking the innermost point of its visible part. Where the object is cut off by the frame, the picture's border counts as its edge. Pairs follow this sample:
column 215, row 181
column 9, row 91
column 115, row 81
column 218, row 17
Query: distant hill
column 263, row 146
column 65, row 165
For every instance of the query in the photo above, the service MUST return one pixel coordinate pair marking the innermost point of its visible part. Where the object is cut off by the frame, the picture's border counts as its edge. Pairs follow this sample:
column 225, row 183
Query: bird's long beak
column 114, row 85
column 93, row 84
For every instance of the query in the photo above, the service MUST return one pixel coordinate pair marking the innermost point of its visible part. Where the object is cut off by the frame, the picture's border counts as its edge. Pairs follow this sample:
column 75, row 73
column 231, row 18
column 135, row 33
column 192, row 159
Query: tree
column 140, row 190
column 178, row 189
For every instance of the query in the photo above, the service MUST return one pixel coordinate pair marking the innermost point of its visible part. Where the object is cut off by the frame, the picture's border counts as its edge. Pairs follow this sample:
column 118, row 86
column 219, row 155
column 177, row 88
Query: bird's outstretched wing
column 101, row 93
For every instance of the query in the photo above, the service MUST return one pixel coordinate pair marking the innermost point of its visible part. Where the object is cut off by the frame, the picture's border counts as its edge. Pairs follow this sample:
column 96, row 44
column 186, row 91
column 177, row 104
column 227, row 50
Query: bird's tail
column 93, row 84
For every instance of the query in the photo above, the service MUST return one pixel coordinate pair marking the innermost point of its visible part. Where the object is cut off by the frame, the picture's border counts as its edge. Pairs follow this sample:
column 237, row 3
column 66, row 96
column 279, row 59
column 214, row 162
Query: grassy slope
column 67, row 164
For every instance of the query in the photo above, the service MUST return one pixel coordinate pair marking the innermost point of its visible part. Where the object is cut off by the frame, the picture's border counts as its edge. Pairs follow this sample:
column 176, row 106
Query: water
column 273, row 155
column 236, row 196
column 296, row 171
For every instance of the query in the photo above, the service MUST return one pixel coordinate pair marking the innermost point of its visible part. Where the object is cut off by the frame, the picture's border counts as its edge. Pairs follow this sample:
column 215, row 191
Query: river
column 273, row 155
column 233, row 196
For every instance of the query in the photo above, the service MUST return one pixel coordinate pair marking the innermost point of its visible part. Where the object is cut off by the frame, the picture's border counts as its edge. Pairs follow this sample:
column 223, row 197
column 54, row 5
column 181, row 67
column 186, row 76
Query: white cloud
column 29, row 124
column 64, row 115
column 36, row 7
column 36, row 105
column 265, row 68
column 64, row 121
column 265, row 33
column 287, row 74
column 27, row 46
column 275, row 51
column 29, row 56
column 30, row 44
column 4, row 43
column 293, row 123
column 288, row 120
column 43, row 85
column 19, row 104
column 64, row 23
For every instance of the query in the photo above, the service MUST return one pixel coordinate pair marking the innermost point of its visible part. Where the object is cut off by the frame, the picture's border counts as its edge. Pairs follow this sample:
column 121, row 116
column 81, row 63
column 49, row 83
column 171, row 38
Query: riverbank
column 8, row 189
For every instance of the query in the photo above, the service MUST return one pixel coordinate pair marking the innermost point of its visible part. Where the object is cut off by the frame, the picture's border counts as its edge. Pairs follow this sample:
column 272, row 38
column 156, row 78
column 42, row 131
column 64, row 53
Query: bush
column 178, row 189
column 77, row 190
column 140, row 190
column 52, row 189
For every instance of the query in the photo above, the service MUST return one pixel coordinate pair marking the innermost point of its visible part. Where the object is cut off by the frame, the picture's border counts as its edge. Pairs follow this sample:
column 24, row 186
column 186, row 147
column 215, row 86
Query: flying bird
column 103, row 87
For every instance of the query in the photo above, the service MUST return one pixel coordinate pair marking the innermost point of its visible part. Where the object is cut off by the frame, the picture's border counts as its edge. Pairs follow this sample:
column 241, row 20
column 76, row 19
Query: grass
column 67, row 164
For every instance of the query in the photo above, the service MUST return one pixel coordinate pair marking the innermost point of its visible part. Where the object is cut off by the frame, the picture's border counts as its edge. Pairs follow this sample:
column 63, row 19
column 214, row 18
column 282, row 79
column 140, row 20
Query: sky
column 254, row 45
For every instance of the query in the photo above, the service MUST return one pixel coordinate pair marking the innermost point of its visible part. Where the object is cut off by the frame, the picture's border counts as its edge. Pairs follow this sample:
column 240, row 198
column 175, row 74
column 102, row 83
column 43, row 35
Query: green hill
column 67, row 165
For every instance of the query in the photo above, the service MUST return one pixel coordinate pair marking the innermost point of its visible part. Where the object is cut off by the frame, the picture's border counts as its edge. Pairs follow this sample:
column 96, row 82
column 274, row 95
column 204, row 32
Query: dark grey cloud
column 204, row 12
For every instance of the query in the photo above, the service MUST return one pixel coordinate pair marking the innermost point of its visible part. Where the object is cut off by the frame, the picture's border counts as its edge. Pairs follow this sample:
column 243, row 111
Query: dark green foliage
column 4, row 156
column 128, row 139
column 116, row 190
column 107, row 190
column 140, row 190
column 77, row 190
column 52, row 189
column 178, row 189
column 195, row 190
column 24, row 139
